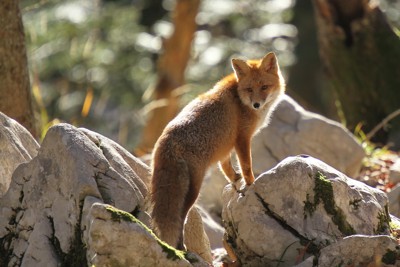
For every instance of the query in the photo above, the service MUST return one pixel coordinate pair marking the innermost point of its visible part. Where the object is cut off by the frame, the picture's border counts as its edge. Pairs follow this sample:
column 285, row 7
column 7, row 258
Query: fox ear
column 240, row 67
column 269, row 63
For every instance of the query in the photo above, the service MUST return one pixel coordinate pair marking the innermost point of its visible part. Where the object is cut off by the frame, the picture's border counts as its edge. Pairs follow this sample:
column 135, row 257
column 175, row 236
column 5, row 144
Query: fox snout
column 257, row 103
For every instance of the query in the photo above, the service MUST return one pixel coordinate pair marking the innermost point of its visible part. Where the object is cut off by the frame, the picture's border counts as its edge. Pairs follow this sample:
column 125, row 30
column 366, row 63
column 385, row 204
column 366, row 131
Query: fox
column 205, row 132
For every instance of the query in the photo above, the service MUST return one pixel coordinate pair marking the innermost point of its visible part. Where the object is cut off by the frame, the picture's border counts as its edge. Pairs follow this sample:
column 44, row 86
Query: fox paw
column 240, row 186
column 242, row 189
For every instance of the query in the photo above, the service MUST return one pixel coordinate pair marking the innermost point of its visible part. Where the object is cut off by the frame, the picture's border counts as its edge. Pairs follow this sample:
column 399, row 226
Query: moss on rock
column 172, row 253
column 383, row 221
column 323, row 192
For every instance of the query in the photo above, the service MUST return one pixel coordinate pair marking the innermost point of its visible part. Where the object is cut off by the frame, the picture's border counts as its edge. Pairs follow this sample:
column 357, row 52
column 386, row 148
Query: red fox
column 205, row 132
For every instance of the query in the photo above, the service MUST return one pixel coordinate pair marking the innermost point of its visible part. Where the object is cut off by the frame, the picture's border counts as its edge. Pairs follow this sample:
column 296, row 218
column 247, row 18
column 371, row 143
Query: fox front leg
column 227, row 168
column 243, row 152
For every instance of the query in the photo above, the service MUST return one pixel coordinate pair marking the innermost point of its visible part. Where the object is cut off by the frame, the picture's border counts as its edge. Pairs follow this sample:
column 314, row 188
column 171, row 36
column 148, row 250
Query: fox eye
column 264, row 87
column 249, row 89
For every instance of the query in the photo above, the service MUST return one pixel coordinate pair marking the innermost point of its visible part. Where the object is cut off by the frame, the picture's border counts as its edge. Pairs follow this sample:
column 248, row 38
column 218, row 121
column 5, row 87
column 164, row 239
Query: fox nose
column 256, row 105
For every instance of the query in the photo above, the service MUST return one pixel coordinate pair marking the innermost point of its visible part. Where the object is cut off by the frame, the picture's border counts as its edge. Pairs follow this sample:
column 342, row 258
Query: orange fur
column 205, row 132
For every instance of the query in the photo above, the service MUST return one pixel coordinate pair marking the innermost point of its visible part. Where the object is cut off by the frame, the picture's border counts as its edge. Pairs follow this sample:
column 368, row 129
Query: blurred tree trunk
column 15, row 94
column 171, row 69
column 360, row 53
column 305, row 82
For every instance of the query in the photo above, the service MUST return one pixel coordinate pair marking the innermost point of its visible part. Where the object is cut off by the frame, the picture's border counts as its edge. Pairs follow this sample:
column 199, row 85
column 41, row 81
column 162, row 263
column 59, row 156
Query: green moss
column 309, row 207
column 120, row 215
column 323, row 193
column 389, row 257
column 355, row 203
column 383, row 221
column 76, row 256
column 172, row 253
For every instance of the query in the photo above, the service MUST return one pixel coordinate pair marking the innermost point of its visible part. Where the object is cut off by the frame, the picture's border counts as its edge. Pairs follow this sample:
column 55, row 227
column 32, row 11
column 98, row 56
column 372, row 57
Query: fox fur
column 205, row 132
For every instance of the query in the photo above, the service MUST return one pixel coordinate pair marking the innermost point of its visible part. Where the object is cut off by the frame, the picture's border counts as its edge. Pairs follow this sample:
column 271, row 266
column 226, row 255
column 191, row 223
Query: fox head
column 259, row 81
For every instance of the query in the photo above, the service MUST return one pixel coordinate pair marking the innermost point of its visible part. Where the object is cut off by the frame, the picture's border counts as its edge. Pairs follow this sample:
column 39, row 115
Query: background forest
column 94, row 63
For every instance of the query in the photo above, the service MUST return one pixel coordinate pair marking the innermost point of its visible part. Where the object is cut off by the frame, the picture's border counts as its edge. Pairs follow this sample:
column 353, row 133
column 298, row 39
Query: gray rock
column 297, row 208
column 115, row 238
column 213, row 229
column 293, row 131
column 360, row 250
column 394, row 200
column 41, row 211
column 16, row 146
column 394, row 172
column 120, row 159
column 195, row 238
column 57, row 209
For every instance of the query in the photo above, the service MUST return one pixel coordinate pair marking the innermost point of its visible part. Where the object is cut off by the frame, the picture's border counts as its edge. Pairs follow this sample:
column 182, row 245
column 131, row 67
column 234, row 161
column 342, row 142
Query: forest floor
column 376, row 171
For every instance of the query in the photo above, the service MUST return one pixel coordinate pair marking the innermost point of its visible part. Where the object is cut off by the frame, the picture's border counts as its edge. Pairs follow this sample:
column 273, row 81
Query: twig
column 382, row 124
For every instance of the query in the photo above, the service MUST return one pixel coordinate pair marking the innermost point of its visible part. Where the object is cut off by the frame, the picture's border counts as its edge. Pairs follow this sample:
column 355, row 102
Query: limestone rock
column 56, row 211
column 195, row 238
column 120, row 159
column 394, row 200
column 213, row 229
column 298, row 207
column 361, row 250
column 293, row 131
column 211, row 192
column 357, row 250
column 394, row 174
column 16, row 146
column 116, row 238
column 42, row 210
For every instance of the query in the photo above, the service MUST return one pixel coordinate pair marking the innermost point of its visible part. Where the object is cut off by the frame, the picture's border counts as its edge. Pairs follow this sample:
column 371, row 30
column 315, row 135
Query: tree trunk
column 304, row 82
column 360, row 53
column 171, row 70
column 15, row 94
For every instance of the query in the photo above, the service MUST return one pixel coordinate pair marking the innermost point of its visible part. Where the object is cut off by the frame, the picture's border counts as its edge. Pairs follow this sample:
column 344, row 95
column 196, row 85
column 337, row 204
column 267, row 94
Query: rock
column 57, row 210
column 360, row 250
column 394, row 200
column 16, row 146
column 394, row 172
column 41, row 211
column 213, row 229
column 210, row 196
column 116, row 238
column 297, row 208
column 195, row 238
column 120, row 159
column 293, row 131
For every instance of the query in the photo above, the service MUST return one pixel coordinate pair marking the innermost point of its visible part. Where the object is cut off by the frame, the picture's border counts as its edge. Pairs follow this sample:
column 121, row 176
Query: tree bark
column 15, row 94
column 360, row 52
column 171, row 71
column 304, row 82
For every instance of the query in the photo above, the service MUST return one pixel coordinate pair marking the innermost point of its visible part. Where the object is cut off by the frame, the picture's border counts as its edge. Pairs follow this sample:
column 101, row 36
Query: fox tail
column 170, row 186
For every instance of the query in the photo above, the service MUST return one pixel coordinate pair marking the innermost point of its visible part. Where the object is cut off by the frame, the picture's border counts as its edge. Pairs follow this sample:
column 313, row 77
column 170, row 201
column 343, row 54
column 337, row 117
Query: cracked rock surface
column 69, row 204
column 109, row 232
column 299, row 207
column 41, row 211
column 16, row 146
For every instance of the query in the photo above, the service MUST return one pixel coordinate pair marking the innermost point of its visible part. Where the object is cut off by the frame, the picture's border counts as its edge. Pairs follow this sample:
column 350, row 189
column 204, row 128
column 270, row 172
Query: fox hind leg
column 196, row 179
